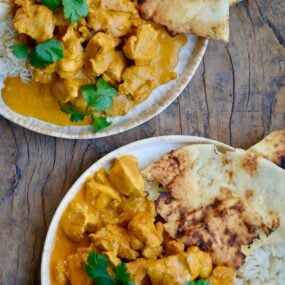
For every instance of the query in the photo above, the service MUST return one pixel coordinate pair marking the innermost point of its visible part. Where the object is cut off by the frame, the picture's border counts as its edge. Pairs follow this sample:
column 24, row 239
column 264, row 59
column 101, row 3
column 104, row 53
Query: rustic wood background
column 237, row 96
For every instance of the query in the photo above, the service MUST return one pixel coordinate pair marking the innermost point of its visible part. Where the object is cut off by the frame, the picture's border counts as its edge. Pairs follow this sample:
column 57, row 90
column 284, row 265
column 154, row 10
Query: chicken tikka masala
column 88, row 59
column 110, row 225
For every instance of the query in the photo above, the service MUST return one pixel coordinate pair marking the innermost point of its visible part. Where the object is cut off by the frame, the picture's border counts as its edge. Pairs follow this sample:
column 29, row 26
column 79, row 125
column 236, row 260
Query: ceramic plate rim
column 73, row 190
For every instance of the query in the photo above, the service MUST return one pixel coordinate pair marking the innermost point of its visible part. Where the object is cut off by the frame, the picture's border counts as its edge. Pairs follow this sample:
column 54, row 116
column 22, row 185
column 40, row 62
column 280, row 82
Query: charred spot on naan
column 164, row 170
column 221, row 227
column 249, row 163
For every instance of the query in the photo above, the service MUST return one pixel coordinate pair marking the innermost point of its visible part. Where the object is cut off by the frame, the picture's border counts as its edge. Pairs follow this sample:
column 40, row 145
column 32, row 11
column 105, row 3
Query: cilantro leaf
column 75, row 115
column 122, row 274
column 46, row 53
column 96, row 268
column 198, row 282
column 102, row 103
column 89, row 92
column 20, row 50
column 51, row 4
column 100, row 123
column 74, row 9
column 105, row 88
column 99, row 97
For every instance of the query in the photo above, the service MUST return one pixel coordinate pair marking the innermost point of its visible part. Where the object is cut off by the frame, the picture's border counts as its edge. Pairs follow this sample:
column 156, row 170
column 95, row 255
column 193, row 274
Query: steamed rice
column 265, row 266
column 9, row 64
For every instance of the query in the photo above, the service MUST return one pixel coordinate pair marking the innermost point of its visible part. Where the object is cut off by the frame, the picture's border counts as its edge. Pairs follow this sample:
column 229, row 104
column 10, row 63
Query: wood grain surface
column 237, row 96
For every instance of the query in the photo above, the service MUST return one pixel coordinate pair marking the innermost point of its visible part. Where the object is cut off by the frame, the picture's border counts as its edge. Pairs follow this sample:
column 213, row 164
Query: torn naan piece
column 219, row 199
column 204, row 18
column 272, row 147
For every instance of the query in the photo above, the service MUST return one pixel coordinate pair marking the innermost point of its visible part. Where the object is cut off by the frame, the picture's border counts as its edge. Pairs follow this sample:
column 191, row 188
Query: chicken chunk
column 116, row 239
column 142, row 227
column 116, row 68
column 204, row 259
column 174, row 269
column 78, row 219
column 120, row 5
column 116, row 23
column 114, row 260
column 222, row 275
column 67, row 89
column 75, row 268
column 137, row 82
column 132, row 206
column 142, row 46
column 121, row 105
column 174, row 247
column 101, row 176
column 37, row 22
column 126, row 177
column 99, row 54
column 99, row 195
column 105, row 200
column 43, row 76
column 22, row 3
column 74, row 221
column 72, row 62
column 137, row 270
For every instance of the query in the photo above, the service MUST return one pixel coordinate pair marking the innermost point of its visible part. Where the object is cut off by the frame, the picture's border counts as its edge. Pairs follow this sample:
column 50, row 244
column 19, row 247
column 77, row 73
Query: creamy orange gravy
column 33, row 99
column 64, row 246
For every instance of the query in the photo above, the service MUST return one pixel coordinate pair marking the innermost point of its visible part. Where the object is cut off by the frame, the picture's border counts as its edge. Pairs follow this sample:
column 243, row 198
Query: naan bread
column 205, row 18
column 219, row 199
column 272, row 147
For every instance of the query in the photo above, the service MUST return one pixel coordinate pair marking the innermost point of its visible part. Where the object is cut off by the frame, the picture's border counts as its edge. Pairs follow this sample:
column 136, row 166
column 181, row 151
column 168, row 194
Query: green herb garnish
column 75, row 115
column 74, row 9
column 99, row 97
column 123, row 275
column 96, row 269
column 42, row 55
column 46, row 53
column 51, row 4
column 20, row 50
column 198, row 282
column 100, row 123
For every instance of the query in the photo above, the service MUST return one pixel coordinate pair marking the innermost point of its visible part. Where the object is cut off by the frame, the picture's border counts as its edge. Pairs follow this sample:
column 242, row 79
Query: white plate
column 189, row 58
column 146, row 152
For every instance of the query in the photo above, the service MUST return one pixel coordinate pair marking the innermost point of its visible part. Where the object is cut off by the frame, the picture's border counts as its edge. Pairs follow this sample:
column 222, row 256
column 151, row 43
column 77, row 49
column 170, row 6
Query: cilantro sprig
column 46, row 53
column 100, row 123
column 73, row 10
column 198, row 282
column 51, row 4
column 99, row 97
column 20, row 50
column 75, row 115
column 42, row 55
column 96, row 269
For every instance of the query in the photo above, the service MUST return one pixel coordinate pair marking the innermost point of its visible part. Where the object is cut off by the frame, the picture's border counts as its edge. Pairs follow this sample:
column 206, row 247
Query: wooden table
column 237, row 96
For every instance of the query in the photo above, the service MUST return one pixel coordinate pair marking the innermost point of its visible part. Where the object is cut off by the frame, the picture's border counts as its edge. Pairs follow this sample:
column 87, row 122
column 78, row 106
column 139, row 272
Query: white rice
column 9, row 64
column 266, row 266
